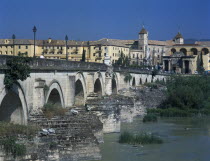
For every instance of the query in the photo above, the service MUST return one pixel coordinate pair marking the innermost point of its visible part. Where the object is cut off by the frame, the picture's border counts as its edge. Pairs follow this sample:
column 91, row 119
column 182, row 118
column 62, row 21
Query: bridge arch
column 80, row 89
column 115, row 84
column 55, row 94
column 99, row 84
column 134, row 82
column 140, row 81
column 13, row 107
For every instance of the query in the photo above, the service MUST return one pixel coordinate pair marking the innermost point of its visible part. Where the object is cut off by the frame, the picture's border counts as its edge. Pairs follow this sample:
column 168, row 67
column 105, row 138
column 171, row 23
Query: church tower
column 143, row 40
column 178, row 39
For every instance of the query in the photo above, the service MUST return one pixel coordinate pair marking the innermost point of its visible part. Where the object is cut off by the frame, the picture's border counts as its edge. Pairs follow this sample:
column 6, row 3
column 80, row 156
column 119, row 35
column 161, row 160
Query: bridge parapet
column 63, row 65
column 60, row 65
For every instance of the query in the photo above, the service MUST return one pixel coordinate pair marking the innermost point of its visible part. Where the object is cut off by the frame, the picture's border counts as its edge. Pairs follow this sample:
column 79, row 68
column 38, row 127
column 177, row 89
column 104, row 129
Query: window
column 133, row 55
column 57, row 47
column 94, row 54
column 19, row 47
column 104, row 54
column 26, row 47
column 113, row 54
column 6, row 52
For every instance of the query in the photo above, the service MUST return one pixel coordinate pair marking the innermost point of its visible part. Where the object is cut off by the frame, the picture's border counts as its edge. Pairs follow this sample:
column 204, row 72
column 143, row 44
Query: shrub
column 152, row 85
column 11, row 147
column 10, row 129
column 174, row 112
column 187, row 92
column 142, row 138
column 50, row 110
column 150, row 118
column 128, row 77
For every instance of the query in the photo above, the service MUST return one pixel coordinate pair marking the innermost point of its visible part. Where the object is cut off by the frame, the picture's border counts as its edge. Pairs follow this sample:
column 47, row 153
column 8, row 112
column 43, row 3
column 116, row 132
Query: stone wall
column 76, row 138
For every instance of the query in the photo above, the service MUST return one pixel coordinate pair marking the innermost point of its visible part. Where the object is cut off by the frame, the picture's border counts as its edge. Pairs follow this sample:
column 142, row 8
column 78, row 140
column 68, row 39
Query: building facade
column 170, row 55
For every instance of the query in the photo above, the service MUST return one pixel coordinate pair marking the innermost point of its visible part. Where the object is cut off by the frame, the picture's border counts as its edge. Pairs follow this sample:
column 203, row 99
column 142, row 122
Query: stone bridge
column 66, row 83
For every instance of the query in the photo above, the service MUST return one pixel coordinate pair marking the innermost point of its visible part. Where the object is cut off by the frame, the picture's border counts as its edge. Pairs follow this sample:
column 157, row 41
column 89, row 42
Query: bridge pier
column 108, row 85
column 70, row 91
column 39, row 94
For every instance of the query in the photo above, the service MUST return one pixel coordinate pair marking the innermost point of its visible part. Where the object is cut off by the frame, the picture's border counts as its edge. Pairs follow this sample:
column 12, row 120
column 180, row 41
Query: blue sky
column 95, row 19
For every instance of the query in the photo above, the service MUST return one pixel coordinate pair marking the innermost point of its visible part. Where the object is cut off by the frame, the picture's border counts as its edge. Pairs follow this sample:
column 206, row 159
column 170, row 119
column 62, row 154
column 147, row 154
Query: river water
column 185, row 139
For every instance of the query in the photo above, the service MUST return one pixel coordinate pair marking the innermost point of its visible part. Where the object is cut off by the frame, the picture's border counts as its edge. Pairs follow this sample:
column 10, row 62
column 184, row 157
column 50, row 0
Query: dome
column 143, row 31
column 178, row 36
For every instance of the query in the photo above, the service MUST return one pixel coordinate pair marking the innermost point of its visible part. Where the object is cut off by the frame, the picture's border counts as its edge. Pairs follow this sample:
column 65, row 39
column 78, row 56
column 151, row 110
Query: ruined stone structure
column 65, row 83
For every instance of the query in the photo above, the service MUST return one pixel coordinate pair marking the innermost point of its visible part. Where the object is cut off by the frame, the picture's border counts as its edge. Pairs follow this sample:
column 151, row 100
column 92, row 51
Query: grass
column 50, row 110
column 150, row 118
column 9, row 134
column 142, row 138
column 10, row 129
column 174, row 112
column 151, row 85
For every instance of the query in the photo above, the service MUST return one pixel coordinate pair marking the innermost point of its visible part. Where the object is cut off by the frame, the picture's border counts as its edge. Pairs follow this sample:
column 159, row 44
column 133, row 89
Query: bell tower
column 143, row 40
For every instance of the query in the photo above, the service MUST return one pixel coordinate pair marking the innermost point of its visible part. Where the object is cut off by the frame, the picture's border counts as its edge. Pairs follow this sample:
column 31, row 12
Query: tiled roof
column 108, row 42
column 16, row 41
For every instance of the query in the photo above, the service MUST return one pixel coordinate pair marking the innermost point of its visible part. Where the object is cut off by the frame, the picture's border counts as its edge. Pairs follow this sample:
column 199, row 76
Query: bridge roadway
column 66, row 83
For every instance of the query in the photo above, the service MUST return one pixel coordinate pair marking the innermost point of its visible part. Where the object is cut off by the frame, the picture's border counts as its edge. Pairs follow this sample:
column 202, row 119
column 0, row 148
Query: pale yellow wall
column 8, row 49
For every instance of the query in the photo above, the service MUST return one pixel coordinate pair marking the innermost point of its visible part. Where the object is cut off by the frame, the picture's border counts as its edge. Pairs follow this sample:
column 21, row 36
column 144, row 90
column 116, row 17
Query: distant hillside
column 192, row 41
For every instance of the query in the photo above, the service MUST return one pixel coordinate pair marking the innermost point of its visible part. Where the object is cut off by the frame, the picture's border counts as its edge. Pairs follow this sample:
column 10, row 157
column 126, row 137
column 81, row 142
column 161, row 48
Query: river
column 185, row 139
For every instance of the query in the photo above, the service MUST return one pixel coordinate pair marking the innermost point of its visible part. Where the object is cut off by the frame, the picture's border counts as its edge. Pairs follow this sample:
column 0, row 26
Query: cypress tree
column 83, row 55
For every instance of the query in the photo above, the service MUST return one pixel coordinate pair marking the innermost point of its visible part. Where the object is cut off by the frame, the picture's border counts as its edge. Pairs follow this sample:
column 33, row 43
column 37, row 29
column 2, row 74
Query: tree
column 18, row 69
column 123, row 60
column 200, row 67
column 83, row 55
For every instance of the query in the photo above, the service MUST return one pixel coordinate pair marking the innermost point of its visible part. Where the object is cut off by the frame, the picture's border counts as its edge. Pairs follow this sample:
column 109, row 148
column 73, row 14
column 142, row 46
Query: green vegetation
column 174, row 112
column 188, row 93
column 10, row 129
column 18, row 69
column 11, row 147
column 9, row 134
column 83, row 55
column 50, row 110
column 150, row 117
column 142, row 138
column 151, row 85
column 128, row 77
column 200, row 67
column 123, row 60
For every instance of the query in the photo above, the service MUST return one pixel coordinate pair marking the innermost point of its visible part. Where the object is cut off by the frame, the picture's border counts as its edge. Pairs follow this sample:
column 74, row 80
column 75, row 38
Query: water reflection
column 185, row 139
